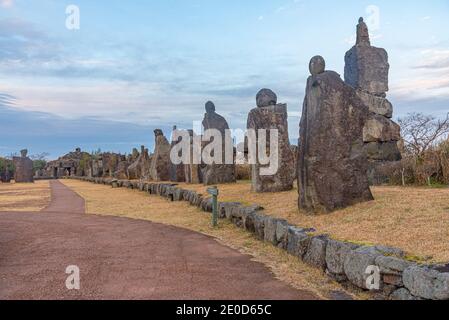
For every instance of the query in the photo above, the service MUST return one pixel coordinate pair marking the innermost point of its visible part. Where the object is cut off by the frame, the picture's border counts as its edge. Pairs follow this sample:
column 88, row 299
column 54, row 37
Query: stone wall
column 344, row 262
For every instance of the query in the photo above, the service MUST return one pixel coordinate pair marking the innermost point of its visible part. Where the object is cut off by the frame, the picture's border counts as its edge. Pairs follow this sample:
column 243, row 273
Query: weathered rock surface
column 376, row 105
column 385, row 151
column 282, row 232
column 332, row 164
column 336, row 253
column 366, row 70
column 23, row 172
column 392, row 265
column 316, row 252
column 381, row 129
column 159, row 168
column 266, row 98
column 426, row 283
column 317, row 65
column 271, row 116
column 367, row 67
column 191, row 170
column 140, row 169
column 216, row 173
column 121, row 171
column 356, row 264
column 298, row 241
column 402, row 295
column 177, row 171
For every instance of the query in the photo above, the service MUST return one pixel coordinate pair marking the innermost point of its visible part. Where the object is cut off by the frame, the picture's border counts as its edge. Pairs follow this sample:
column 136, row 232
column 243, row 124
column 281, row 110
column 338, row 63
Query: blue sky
column 137, row 65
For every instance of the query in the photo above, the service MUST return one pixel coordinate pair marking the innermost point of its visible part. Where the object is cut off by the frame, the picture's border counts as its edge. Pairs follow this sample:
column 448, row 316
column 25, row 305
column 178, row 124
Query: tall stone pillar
column 177, row 172
column 366, row 70
column 332, row 162
column 191, row 169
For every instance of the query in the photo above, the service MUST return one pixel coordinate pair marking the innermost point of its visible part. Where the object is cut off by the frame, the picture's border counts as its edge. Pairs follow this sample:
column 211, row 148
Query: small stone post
column 214, row 193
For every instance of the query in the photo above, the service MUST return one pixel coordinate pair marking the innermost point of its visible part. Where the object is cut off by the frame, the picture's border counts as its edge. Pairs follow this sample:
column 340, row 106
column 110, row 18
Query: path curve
column 121, row 258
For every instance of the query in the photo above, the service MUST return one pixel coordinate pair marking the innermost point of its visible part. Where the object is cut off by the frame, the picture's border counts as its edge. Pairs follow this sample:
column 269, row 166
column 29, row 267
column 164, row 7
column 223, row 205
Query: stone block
column 316, row 252
column 336, row 253
column 426, row 283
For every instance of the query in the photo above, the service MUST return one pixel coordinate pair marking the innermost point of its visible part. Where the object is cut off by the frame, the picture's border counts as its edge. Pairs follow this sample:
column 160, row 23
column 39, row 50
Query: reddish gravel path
column 64, row 199
column 121, row 258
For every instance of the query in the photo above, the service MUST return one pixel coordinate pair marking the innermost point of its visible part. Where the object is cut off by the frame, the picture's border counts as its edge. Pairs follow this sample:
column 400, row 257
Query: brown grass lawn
column 413, row 219
column 24, row 196
column 104, row 200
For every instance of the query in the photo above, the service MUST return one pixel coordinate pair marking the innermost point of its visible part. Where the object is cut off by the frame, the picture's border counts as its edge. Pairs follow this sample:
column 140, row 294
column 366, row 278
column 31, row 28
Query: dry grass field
column 413, row 219
column 24, row 196
column 104, row 200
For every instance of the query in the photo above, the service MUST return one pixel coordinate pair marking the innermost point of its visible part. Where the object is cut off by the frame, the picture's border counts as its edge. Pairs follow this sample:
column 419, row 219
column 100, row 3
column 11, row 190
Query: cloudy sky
column 137, row 65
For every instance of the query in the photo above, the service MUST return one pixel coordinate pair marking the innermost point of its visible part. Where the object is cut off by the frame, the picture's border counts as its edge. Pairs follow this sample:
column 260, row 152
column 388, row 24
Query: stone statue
column 140, row 169
column 121, row 172
column 269, row 115
column 218, row 172
column 332, row 162
column 191, row 170
column 24, row 172
column 159, row 168
column 177, row 172
column 362, row 33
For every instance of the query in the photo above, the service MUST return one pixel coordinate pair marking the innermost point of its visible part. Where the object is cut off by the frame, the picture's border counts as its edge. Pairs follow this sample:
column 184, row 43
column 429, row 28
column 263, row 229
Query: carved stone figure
column 218, row 172
column 192, row 170
column 332, row 163
column 140, row 169
column 159, row 168
column 177, row 172
column 269, row 115
column 362, row 33
column 23, row 165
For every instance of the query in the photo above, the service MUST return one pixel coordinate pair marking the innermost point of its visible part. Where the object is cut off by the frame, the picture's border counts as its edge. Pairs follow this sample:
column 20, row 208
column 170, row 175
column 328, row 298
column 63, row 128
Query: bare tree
column 40, row 156
column 422, row 132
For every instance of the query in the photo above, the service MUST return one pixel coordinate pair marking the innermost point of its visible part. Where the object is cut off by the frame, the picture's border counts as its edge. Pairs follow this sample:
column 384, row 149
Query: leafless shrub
column 422, row 132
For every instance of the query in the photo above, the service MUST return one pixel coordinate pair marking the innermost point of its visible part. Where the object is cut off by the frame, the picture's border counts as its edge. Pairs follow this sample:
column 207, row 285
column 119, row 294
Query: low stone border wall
column 350, row 264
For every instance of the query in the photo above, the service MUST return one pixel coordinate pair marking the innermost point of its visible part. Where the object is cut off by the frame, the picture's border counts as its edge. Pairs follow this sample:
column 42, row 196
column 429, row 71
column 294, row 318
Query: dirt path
column 121, row 258
column 64, row 200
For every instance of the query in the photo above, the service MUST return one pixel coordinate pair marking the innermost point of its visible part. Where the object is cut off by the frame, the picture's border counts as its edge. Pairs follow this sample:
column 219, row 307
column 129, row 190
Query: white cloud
column 280, row 9
column 434, row 59
column 6, row 3
column 427, row 77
